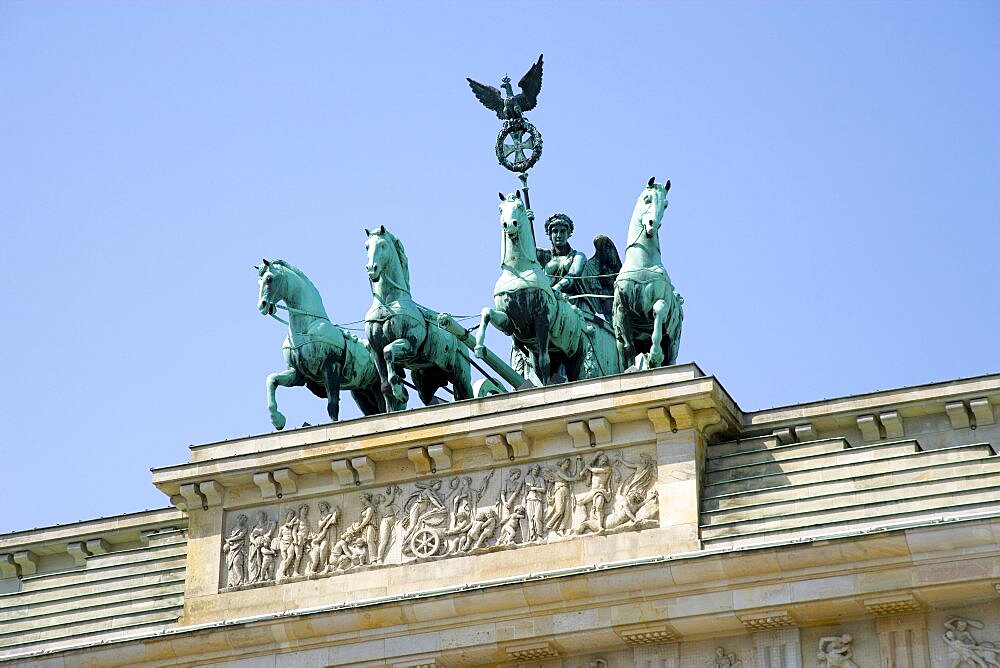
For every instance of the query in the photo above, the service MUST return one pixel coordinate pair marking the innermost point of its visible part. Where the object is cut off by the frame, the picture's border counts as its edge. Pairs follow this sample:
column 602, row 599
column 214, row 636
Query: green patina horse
column 545, row 326
column 319, row 354
column 404, row 334
column 648, row 312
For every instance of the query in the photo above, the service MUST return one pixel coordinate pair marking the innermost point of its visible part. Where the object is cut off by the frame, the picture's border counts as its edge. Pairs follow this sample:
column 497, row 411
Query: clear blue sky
column 834, row 222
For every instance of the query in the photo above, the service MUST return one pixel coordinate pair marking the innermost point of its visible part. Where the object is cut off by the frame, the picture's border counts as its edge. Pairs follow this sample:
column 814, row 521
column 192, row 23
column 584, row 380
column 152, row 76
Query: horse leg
column 383, row 373
column 461, row 377
column 393, row 354
column 540, row 355
column 369, row 402
column 621, row 322
column 290, row 377
column 331, row 380
column 656, row 355
column 499, row 320
column 427, row 381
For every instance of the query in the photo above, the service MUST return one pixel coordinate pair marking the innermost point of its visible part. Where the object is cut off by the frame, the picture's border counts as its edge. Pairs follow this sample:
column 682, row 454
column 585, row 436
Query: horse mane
column 298, row 272
column 404, row 262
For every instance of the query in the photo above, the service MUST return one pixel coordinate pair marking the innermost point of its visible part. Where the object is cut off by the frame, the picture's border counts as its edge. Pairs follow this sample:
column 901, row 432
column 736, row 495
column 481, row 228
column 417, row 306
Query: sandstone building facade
column 633, row 520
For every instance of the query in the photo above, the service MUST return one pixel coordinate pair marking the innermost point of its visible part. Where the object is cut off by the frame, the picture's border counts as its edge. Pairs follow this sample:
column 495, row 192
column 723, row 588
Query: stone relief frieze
column 496, row 509
column 963, row 647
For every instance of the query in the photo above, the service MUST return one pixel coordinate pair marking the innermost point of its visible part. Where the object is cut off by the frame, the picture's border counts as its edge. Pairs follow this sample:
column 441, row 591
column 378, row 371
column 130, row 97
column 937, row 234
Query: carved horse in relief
column 546, row 326
column 319, row 354
column 648, row 312
column 404, row 334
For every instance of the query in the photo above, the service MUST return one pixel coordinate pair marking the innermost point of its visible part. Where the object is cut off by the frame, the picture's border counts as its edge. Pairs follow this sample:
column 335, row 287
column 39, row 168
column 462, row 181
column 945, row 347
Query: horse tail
column 674, row 326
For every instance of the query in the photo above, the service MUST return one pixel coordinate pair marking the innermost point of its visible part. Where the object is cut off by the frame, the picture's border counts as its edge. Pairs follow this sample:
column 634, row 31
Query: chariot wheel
column 519, row 145
column 425, row 543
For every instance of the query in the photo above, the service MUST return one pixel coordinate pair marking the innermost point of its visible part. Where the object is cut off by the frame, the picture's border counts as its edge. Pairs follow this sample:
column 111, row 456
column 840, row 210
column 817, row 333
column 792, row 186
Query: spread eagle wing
column 530, row 85
column 488, row 95
column 604, row 266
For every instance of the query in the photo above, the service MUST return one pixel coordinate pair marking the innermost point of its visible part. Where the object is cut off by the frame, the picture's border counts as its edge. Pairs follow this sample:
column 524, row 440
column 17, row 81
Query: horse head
column 516, row 227
column 271, row 278
column 648, row 212
column 386, row 256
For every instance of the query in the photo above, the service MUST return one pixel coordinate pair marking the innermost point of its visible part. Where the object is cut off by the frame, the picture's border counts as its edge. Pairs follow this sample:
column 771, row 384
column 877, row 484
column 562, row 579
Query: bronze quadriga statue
column 554, row 333
column 404, row 335
column 568, row 315
column 320, row 355
column 648, row 312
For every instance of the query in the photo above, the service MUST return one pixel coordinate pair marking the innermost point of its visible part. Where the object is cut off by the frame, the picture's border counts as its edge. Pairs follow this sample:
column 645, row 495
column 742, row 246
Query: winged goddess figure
column 509, row 106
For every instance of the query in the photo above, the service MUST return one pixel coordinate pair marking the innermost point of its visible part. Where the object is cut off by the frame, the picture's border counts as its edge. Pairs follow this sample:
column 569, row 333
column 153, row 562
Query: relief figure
column 235, row 547
column 510, row 494
column 837, row 652
column 461, row 522
column 424, row 506
column 484, row 525
column 559, row 517
column 260, row 556
column 724, row 660
column 637, row 502
column 319, row 544
column 597, row 498
column 286, row 545
column 511, row 528
column 388, row 515
column 302, row 533
column 534, row 503
column 964, row 647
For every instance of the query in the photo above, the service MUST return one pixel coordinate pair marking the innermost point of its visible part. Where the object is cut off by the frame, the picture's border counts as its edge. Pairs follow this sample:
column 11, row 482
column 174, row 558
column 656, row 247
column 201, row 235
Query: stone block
column 870, row 429
column 892, row 422
column 519, row 442
column 365, row 468
column 767, row 620
column 287, row 480
column 268, row 488
column 958, row 414
column 895, row 604
column 27, row 560
column 647, row 633
column 983, row 412
column 420, row 459
column 536, row 651
column 806, row 432
column 212, row 492
column 660, row 418
column 601, row 429
column 499, row 450
column 9, row 569
column 345, row 474
column 78, row 550
column 440, row 455
column 580, row 433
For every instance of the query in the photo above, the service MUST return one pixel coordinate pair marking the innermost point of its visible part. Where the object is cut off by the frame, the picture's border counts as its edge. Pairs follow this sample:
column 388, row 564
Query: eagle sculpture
column 509, row 106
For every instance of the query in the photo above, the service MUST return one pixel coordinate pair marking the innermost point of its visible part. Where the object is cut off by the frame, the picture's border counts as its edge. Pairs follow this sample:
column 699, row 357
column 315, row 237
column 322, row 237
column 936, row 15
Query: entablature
column 521, row 426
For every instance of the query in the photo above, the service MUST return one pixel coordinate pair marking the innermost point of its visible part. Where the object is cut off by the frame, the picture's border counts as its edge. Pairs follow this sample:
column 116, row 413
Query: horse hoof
column 480, row 352
column 278, row 420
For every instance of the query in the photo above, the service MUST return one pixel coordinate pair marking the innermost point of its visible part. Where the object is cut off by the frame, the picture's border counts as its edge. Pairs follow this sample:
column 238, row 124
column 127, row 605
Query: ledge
column 539, row 412
column 116, row 529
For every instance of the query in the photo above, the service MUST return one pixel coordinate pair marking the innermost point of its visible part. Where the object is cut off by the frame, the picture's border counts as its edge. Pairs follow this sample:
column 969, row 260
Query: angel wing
column 488, row 95
column 604, row 266
column 530, row 85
